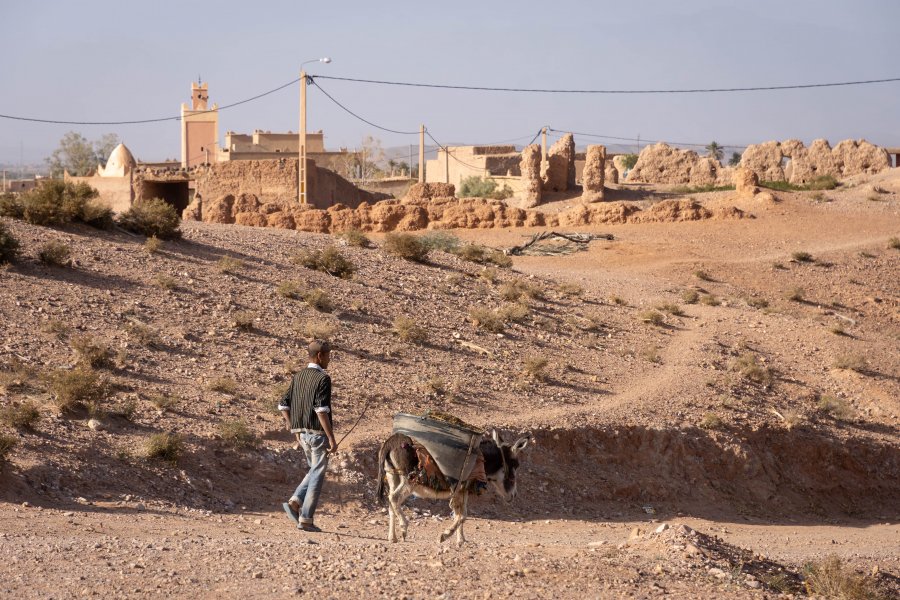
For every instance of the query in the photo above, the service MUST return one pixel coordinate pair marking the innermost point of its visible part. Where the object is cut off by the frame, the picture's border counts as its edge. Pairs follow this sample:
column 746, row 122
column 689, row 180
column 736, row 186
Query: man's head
column 320, row 352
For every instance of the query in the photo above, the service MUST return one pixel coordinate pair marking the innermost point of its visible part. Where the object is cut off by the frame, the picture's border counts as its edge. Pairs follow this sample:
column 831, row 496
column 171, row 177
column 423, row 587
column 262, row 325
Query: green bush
column 480, row 187
column 81, row 386
column 441, row 240
column 166, row 446
column 406, row 246
column 20, row 416
column 54, row 203
column 11, row 206
column 629, row 160
column 330, row 260
column 489, row 320
column 237, row 434
column 9, row 246
column 357, row 238
column 153, row 218
column 408, row 330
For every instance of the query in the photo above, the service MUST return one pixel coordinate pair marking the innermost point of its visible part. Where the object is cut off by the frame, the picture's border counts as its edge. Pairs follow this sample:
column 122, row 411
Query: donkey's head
column 500, row 463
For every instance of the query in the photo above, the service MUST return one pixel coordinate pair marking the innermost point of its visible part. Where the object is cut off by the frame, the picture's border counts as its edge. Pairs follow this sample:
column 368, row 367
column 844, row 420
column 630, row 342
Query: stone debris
column 592, row 179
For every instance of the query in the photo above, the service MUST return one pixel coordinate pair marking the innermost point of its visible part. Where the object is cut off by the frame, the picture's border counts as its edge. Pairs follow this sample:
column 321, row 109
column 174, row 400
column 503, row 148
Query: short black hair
column 317, row 346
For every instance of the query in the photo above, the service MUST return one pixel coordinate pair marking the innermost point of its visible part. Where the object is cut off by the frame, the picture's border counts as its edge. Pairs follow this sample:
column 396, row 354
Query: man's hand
column 332, row 445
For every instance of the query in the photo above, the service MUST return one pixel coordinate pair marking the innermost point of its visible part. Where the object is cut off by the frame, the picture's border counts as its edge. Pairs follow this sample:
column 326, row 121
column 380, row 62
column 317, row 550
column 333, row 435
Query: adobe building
column 114, row 181
column 199, row 128
column 266, row 145
column 456, row 163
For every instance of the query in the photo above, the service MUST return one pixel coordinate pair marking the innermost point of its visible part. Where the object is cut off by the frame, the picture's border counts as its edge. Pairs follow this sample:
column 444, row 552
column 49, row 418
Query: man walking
column 306, row 407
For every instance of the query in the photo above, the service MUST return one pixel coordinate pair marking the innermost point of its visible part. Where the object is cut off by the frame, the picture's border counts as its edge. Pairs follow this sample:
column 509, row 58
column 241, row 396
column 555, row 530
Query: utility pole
column 447, row 164
column 543, row 144
column 301, row 166
column 421, row 154
column 409, row 164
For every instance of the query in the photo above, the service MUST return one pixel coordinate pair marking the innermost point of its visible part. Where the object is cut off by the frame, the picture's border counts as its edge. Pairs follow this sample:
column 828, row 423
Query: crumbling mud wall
column 661, row 163
column 426, row 191
column 559, row 173
column 594, row 174
column 792, row 161
column 530, row 167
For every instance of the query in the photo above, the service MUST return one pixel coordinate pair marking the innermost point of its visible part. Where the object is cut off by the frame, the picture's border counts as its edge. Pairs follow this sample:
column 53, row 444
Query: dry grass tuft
column 709, row 300
column 230, row 265
column 91, row 352
column 356, row 238
column 703, row 276
column 243, row 320
column 671, row 308
column 56, row 327
column 224, row 385
column 165, row 282
column 406, row 246
column 20, row 416
column 143, row 334
column 749, row 367
column 81, row 386
column 570, row 290
column 55, row 254
column 319, row 299
column 535, row 367
column 652, row 317
column 9, row 245
column 165, row 446
column 437, row 386
column 801, row 257
column 894, row 243
column 7, row 443
column 153, row 245
column 489, row 274
column 330, row 260
column 237, row 434
column 795, row 294
column 690, row 296
column 851, row 362
column 712, row 421
column 618, row 300
column 519, row 288
column 317, row 330
column 289, row 289
column 829, row 578
column 836, row 407
column 408, row 330
column 754, row 302
column 514, row 312
column 489, row 320
column 163, row 403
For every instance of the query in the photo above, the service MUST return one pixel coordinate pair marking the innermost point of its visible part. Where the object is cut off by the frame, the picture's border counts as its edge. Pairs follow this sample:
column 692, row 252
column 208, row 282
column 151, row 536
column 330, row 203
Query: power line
column 347, row 110
column 585, row 91
column 142, row 121
column 649, row 141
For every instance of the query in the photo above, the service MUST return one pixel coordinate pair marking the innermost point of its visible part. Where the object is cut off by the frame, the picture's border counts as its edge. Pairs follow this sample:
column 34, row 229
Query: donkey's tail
column 382, row 455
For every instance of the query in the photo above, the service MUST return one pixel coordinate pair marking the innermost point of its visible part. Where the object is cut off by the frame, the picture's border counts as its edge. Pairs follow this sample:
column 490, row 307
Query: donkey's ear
column 496, row 437
column 520, row 445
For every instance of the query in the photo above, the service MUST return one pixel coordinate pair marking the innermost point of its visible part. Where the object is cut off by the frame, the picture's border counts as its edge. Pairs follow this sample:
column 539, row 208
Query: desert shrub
column 406, row 246
column 243, row 320
column 154, row 217
column 498, row 258
column 143, row 335
column 536, row 368
column 55, row 254
column 319, row 299
column 709, row 300
column 91, row 352
column 703, row 276
column 441, row 240
column 165, row 282
column 823, row 182
column 57, row 327
column 835, row 407
column 690, row 296
column 357, row 238
column 7, row 443
column 408, row 330
column 894, row 243
column 851, row 362
column 20, row 416
column 795, row 294
column 81, row 386
column 11, row 206
column 237, row 434
column 652, row 317
column 166, row 446
column 230, row 265
column 152, row 245
column 9, row 245
column 128, row 409
column 477, row 187
column 471, row 252
column 570, row 290
column 702, row 189
column 436, row 385
column 97, row 215
column 489, row 274
column 837, row 329
column 671, row 308
column 330, row 260
column 289, row 289
column 801, row 256
column 489, row 320
column 515, row 312
column 317, row 330
column 224, row 385
column 629, row 160
column 519, row 288
column 618, row 300
column 711, row 421
column 749, row 367
column 651, row 354
column 829, row 578
column 163, row 402
column 757, row 302
column 53, row 203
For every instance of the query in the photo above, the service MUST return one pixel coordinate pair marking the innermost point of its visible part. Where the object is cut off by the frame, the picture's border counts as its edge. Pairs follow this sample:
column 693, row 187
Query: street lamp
column 301, row 165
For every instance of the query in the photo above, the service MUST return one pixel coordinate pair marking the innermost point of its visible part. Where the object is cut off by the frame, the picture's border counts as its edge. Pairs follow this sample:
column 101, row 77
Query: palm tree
column 714, row 150
column 392, row 164
column 735, row 159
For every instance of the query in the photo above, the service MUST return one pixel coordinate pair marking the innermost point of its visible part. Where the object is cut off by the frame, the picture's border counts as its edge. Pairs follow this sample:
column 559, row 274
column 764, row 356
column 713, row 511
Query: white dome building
column 121, row 162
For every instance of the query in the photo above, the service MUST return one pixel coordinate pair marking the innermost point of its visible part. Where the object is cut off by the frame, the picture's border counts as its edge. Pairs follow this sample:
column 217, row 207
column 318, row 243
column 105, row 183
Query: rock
column 530, row 167
column 717, row 573
column 219, row 210
column 592, row 178
column 194, row 210
column 662, row 528
column 560, row 166
column 745, row 181
column 597, row 544
column 95, row 425
column 257, row 575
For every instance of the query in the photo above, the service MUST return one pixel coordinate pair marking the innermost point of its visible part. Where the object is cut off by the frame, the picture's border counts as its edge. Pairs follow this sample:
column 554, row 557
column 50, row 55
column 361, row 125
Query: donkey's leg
column 460, row 536
column 397, row 496
column 393, row 481
column 457, row 505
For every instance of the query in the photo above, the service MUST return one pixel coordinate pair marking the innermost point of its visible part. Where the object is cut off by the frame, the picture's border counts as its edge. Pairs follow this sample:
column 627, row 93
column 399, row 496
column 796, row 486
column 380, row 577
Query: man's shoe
column 292, row 514
column 309, row 527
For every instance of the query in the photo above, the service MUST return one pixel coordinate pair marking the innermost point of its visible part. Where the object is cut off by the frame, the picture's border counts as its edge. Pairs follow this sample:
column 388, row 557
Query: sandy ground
column 622, row 437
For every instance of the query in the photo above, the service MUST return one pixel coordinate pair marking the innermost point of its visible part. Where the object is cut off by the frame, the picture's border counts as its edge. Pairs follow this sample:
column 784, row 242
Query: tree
column 714, row 150
column 79, row 156
column 629, row 161
column 735, row 159
column 403, row 167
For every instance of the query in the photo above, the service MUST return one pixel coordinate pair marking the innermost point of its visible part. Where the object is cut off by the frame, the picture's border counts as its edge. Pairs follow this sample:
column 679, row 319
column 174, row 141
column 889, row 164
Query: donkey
column 397, row 459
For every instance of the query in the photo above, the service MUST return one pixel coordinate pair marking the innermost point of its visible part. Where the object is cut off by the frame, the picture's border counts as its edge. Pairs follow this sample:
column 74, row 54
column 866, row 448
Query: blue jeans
column 315, row 447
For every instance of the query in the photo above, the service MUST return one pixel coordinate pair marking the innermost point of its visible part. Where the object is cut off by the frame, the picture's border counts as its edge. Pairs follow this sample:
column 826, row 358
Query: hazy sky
column 102, row 61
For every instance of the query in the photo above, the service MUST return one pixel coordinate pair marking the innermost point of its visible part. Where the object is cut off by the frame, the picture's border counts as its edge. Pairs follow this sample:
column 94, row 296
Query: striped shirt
column 308, row 394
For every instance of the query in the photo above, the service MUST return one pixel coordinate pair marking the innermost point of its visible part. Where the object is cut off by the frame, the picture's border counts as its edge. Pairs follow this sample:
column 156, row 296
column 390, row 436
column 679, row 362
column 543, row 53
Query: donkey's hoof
column 444, row 536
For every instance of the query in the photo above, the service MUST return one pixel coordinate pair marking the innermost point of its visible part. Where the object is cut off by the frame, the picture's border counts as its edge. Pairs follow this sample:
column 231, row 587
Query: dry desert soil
column 718, row 411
